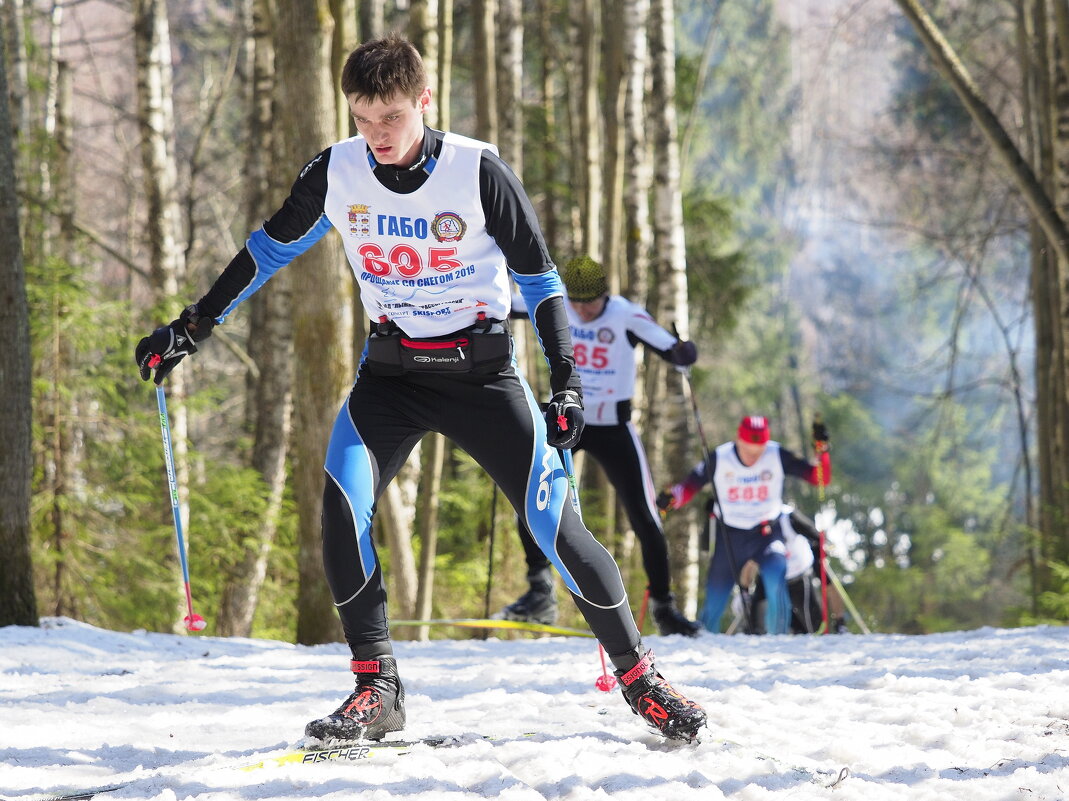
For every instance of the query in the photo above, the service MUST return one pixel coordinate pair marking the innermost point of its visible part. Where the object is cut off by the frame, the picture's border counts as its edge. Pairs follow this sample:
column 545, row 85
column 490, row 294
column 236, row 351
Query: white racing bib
column 605, row 359
column 748, row 496
column 424, row 259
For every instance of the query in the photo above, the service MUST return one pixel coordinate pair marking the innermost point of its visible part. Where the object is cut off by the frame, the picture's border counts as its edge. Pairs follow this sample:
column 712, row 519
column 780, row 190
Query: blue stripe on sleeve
column 536, row 288
column 270, row 255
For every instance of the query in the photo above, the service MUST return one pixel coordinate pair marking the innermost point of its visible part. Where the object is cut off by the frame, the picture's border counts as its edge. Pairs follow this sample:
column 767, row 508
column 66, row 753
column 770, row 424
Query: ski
column 354, row 752
column 492, row 623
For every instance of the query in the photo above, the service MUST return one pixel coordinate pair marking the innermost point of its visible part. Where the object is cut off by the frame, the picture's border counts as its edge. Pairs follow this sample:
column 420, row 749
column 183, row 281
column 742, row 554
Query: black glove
column 165, row 347
column 664, row 501
column 820, row 436
column 564, row 419
column 683, row 354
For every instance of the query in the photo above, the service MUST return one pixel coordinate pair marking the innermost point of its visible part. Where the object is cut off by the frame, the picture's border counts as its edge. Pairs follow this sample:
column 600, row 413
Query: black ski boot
column 537, row 605
column 374, row 708
column 670, row 620
column 658, row 703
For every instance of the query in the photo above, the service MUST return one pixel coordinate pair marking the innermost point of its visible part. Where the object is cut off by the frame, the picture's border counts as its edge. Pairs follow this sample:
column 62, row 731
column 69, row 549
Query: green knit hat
column 584, row 279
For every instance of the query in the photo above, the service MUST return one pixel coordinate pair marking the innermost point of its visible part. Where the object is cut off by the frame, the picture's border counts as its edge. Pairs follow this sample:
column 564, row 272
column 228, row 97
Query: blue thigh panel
column 349, row 466
column 547, row 492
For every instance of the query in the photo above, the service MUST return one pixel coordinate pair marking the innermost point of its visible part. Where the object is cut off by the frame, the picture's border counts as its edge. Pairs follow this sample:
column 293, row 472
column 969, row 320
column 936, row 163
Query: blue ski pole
column 193, row 621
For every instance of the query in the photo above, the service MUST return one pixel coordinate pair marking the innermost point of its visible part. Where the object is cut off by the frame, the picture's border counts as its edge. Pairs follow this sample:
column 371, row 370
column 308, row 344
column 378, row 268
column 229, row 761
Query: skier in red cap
column 747, row 477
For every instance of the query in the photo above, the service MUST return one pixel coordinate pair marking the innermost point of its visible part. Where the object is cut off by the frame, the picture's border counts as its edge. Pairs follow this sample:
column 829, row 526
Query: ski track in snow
column 979, row 715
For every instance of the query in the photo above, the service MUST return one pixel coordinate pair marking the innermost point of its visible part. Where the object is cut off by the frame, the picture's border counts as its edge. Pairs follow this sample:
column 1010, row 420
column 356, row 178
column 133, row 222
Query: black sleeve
column 805, row 526
column 794, row 465
column 301, row 212
column 511, row 221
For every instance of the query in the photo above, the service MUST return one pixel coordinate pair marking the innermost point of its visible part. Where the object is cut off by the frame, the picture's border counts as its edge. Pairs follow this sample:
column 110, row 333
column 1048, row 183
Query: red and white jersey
column 422, row 259
column 748, row 496
column 605, row 356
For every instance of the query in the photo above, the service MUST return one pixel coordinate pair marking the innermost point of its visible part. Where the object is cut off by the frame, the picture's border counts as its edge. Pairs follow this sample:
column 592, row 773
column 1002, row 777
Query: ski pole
column 193, row 621
column 604, row 682
column 709, row 473
column 823, row 553
column 849, row 604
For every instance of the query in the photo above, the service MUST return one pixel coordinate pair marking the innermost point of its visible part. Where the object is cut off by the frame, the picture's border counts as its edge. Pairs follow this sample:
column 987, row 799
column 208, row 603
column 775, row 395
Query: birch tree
column 670, row 272
column 588, row 138
column 163, row 223
column 638, row 169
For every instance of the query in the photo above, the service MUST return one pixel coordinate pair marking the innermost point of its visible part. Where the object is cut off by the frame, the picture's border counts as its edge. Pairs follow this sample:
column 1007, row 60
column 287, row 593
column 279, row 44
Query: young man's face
column 588, row 310
column 394, row 128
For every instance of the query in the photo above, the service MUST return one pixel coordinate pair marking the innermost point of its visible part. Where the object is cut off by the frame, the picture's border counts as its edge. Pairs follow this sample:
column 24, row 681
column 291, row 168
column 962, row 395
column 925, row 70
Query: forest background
column 852, row 216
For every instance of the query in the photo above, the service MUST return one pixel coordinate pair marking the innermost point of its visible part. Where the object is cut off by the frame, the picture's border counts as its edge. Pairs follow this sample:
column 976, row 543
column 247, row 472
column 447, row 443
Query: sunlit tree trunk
column 614, row 90
column 443, row 95
column 430, row 488
column 510, row 82
column 484, row 63
column 638, row 170
column 65, row 438
column 590, row 125
column 423, row 31
column 155, row 114
column 270, row 381
column 322, row 306
column 343, row 42
column 669, row 260
column 18, row 603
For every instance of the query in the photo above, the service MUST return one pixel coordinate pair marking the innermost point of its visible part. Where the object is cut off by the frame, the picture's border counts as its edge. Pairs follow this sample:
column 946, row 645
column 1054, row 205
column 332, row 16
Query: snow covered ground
column 979, row 715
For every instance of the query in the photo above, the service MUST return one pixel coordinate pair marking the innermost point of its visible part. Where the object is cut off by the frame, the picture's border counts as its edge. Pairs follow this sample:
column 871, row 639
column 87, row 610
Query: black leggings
column 619, row 451
column 496, row 420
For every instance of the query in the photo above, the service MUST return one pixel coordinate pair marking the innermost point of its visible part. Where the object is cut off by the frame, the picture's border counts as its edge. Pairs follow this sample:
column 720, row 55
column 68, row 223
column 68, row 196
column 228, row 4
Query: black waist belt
column 483, row 348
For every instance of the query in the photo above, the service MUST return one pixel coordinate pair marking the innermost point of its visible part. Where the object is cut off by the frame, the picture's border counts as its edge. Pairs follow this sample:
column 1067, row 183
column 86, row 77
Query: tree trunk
column 669, row 259
column 485, row 68
column 614, row 79
column 270, row 382
column 433, row 459
column 510, row 83
column 64, row 451
column 423, row 31
column 372, row 19
column 396, row 516
column 18, row 603
column 323, row 332
column 590, row 126
column 155, row 115
column 443, row 97
column 1057, row 293
column 342, row 44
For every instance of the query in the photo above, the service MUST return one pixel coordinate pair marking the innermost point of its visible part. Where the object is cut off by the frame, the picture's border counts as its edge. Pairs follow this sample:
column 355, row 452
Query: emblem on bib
column 360, row 219
column 448, row 226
